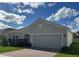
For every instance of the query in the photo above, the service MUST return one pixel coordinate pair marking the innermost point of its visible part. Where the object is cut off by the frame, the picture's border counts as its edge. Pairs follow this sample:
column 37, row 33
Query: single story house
column 44, row 34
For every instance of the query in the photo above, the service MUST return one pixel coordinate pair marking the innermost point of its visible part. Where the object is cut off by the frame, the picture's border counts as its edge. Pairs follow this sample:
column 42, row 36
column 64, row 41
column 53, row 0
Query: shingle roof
column 38, row 20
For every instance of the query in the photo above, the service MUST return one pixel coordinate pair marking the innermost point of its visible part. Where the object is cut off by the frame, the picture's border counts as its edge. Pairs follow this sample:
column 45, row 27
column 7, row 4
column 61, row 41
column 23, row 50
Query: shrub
column 4, row 41
column 65, row 48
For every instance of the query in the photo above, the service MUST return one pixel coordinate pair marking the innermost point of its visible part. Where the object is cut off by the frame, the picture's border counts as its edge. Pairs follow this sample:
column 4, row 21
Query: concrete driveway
column 31, row 53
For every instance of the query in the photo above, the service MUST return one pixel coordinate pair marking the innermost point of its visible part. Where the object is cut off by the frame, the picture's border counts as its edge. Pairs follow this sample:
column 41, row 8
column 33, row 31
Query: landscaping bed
column 72, row 51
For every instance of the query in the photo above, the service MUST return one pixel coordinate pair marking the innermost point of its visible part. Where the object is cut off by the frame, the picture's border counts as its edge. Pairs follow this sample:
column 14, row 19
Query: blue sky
column 21, row 14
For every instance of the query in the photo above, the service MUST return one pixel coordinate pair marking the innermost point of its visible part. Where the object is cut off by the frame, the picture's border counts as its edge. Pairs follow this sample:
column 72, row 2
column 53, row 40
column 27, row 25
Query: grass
column 66, row 55
column 8, row 49
column 72, row 51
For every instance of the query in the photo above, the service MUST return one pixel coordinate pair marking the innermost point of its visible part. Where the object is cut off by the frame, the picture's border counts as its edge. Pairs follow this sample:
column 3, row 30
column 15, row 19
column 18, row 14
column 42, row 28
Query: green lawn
column 8, row 49
column 72, row 51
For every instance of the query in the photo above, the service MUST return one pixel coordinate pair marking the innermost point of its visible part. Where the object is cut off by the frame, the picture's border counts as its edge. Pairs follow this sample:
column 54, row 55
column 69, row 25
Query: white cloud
column 51, row 4
column 20, row 27
column 77, row 20
column 37, row 4
column 77, row 23
column 3, row 26
column 74, row 26
column 63, row 13
column 12, row 2
column 34, row 4
column 10, row 17
column 28, row 11
column 60, row 13
column 75, row 30
column 50, row 18
column 31, row 4
column 20, row 7
column 70, row 25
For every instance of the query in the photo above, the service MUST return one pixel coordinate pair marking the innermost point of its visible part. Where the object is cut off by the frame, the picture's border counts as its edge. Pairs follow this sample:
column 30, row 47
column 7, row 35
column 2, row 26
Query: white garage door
column 48, row 41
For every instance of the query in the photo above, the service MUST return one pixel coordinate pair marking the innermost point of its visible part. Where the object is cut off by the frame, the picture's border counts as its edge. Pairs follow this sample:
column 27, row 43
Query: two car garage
column 44, row 34
column 54, row 41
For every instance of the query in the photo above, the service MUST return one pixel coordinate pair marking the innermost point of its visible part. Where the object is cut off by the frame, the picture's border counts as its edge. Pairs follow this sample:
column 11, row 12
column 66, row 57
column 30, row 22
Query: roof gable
column 46, row 21
column 39, row 21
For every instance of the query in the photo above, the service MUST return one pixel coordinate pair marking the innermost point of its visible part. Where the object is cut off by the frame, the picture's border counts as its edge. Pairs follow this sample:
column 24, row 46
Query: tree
column 78, row 34
column 4, row 41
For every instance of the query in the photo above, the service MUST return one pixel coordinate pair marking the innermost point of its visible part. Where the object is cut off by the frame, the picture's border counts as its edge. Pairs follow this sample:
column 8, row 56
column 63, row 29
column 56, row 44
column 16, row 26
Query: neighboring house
column 44, row 34
column 4, row 33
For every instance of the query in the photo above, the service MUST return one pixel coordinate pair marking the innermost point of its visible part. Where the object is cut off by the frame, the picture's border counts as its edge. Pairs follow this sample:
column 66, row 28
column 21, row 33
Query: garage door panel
column 47, row 41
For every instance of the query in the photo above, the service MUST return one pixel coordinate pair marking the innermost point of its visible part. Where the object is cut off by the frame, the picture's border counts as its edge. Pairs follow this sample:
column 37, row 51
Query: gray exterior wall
column 20, row 35
column 69, row 37
column 44, row 27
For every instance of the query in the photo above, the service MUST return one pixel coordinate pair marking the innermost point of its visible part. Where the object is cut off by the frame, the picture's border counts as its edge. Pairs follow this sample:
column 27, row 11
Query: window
column 64, row 35
column 14, row 40
column 26, row 36
column 13, row 37
column 17, row 37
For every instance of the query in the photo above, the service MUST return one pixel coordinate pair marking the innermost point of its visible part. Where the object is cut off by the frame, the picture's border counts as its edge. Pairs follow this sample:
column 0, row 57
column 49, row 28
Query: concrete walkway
column 29, row 53
column 3, row 55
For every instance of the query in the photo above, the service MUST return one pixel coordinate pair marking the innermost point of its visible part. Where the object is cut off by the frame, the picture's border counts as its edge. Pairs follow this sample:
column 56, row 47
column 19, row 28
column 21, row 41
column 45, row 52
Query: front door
column 26, row 39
